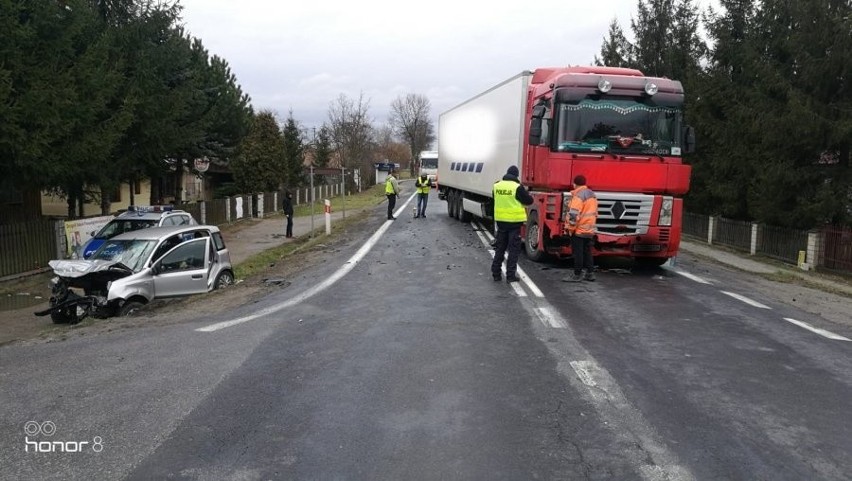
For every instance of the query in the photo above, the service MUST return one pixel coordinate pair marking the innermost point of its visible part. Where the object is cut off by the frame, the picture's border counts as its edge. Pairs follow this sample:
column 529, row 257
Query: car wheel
column 223, row 280
column 129, row 308
column 532, row 248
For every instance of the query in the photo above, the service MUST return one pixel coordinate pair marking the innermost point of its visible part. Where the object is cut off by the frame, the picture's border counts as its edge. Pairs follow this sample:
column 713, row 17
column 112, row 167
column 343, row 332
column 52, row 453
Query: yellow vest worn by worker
column 422, row 185
column 389, row 185
column 506, row 207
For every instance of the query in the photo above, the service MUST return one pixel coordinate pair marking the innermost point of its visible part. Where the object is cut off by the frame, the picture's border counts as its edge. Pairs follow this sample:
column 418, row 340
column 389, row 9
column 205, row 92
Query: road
column 399, row 358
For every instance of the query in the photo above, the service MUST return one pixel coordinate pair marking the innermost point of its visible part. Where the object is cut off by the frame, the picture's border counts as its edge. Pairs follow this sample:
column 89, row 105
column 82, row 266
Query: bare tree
column 410, row 120
column 389, row 148
column 351, row 132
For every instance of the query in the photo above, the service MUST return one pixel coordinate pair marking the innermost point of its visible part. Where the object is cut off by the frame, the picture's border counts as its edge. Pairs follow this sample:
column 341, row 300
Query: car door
column 183, row 270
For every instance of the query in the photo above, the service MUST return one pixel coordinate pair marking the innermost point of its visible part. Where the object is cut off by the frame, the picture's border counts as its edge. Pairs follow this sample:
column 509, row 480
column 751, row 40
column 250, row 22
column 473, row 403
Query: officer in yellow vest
column 391, row 191
column 510, row 197
column 424, row 186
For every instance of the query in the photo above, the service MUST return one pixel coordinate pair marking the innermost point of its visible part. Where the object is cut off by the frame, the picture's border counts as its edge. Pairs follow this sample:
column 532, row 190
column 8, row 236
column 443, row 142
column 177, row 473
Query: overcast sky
column 301, row 55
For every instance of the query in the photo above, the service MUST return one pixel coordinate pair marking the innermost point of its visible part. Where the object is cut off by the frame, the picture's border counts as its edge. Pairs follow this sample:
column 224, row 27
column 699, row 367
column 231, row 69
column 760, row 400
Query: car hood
column 79, row 267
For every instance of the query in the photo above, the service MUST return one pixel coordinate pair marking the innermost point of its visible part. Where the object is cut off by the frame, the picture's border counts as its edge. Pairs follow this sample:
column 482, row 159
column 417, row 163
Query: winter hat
column 513, row 171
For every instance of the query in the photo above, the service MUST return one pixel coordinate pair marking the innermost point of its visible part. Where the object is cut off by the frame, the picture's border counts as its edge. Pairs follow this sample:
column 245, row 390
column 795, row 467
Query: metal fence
column 27, row 246
column 829, row 248
column 733, row 233
column 781, row 243
column 216, row 212
column 837, row 248
column 695, row 225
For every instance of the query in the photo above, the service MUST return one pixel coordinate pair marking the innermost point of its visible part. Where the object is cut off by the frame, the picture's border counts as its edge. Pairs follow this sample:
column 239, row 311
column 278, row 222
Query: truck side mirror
column 689, row 140
column 535, row 131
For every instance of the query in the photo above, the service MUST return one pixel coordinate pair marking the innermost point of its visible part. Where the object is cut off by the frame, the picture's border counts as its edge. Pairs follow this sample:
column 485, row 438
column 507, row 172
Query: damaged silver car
column 131, row 269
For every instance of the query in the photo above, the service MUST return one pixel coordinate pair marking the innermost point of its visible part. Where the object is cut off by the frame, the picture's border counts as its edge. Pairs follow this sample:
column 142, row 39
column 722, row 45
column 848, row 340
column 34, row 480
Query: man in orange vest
column 580, row 225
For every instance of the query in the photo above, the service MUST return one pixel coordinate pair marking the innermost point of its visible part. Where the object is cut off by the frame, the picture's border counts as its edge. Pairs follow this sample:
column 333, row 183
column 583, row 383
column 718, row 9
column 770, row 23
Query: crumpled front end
column 81, row 288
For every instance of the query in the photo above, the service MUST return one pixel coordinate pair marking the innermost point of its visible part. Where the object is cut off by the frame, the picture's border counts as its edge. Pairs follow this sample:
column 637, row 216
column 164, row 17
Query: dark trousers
column 422, row 200
column 391, row 204
column 508, row 239
column 581, row 248
column 289, row 232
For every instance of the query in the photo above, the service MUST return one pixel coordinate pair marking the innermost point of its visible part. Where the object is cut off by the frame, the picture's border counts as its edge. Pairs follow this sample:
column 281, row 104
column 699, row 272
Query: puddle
column 11, row 302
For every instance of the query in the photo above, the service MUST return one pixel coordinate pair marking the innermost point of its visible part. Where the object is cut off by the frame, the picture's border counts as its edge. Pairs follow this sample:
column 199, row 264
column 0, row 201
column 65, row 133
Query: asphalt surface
column 406, row 361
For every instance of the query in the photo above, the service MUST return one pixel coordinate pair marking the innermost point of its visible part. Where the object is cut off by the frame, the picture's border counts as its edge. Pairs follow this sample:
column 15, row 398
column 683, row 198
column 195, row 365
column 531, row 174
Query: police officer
column 391, row 191
column 424, row 185
column 510, row 197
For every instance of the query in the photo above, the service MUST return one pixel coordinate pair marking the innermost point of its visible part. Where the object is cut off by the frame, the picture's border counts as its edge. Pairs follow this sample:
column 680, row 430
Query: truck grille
column 624, row 214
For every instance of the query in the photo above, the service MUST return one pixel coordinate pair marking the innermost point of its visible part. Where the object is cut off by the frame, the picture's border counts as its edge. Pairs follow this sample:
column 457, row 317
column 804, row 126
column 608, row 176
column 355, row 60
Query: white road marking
column 614, row 406
column 547, row 318
column 821, row 332
column 606, row 395
column 745, row 299
column 691, row 276
column 344, row 269
column 582, row 369
column 486, row 239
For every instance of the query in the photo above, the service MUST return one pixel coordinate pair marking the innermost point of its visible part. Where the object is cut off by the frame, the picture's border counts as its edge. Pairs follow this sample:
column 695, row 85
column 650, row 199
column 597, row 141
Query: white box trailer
column 478, row 140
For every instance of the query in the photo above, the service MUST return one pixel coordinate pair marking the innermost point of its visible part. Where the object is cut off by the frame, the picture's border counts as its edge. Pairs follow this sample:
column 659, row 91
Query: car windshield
column 132, row 253
column 120, row 226
column 620, row 126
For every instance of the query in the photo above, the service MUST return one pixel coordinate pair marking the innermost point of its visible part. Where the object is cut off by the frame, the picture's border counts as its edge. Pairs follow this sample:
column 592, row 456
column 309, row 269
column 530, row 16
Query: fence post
column 711, row 226
column 275, row 201
column 260, row 205
column 754, row 230
column 228, row 210
column 203, row 212
column 813, row 250
column 59, row 239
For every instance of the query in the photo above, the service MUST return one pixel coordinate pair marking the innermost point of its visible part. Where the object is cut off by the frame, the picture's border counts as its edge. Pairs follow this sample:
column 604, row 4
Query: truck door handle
column 197, row 276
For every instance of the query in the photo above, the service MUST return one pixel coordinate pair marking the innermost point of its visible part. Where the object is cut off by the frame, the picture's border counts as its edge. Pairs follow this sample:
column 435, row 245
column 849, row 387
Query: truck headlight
column 666, row 211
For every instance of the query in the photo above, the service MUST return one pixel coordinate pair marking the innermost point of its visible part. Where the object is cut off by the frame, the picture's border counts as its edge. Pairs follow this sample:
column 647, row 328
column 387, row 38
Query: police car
column 136, row 217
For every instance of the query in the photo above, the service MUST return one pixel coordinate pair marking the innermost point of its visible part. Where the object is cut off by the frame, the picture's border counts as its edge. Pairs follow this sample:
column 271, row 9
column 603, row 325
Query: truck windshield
column 619, row 126
column 427, row 163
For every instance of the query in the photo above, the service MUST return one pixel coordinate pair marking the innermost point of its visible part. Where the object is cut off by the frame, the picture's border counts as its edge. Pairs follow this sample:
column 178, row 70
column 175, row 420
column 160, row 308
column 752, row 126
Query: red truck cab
column 625, row 133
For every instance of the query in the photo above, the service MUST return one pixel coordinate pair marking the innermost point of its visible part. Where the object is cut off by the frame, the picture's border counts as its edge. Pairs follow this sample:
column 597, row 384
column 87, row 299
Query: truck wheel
column 451, row 197
column 534, row 251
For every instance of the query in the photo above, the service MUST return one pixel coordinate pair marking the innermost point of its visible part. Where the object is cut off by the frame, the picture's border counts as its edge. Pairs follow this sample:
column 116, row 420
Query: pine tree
column 616, row 50
column 259, row 166
column 293, row 154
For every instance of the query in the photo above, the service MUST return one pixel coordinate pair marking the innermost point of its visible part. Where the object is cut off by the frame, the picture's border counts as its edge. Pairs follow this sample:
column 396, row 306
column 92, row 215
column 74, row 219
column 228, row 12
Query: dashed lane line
column 821, row 332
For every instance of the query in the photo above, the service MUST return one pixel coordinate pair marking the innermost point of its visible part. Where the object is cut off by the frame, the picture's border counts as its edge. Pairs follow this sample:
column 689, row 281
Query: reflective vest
column 423, row 187
column 582, row 212
column 506, row 207
column 389, row 185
